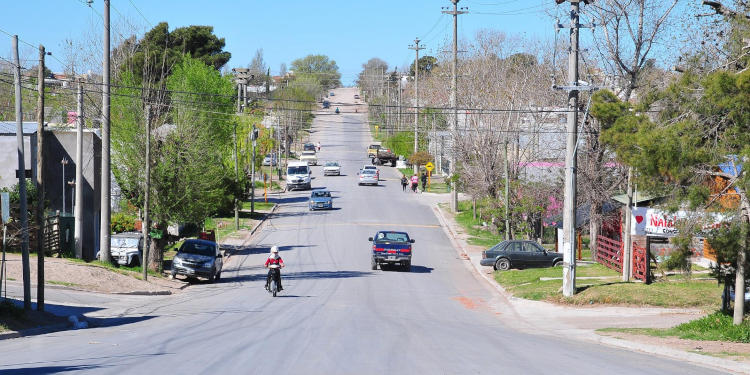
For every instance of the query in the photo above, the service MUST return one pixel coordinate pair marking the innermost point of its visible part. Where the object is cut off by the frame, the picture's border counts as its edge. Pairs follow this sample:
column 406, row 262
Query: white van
column 298, row 175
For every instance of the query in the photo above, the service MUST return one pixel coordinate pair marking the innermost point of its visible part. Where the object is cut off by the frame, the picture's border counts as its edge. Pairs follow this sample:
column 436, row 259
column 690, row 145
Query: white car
column 309, row 157
column 368, row 177
column 367, row 167
column 332, row 168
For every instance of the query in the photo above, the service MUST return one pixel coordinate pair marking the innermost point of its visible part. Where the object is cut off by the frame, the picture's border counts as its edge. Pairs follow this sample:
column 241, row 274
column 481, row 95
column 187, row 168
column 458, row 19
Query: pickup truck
column 310, row 157
column 383, row 156
column 389, row 247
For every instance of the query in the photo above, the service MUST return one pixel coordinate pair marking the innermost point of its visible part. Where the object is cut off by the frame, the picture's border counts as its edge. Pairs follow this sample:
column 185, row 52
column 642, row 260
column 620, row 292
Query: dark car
column 198, row 258
column 320, row 200
column 389, row 247
column 519, row 254
column 309, row 147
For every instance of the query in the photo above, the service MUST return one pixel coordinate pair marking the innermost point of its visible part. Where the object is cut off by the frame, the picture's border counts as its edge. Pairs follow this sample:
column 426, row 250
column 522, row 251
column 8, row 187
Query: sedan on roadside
column 332, row 168
column 320, row 200
column 368, row 177
column 519, row 254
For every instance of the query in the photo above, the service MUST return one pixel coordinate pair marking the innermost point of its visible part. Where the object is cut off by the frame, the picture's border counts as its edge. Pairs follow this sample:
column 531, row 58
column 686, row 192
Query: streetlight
column 64, row 162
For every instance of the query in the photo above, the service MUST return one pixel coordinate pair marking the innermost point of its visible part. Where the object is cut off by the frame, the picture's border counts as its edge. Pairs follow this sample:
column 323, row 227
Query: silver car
column 368, row 177
column 332, row 168
column 126, row 248
column 198, row 258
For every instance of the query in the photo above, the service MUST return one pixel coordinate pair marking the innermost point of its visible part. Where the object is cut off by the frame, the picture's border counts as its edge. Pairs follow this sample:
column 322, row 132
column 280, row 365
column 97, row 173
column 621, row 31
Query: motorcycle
column 274, row 286
column 337, row 110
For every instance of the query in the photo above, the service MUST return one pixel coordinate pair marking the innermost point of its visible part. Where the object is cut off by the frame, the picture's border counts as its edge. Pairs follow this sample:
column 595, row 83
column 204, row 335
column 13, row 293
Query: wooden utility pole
column 78, row 204
column 22, row 181
column 146, row 197
column 416, row 49
column 242, row 75
column 236, row 180
column 40, row 183
column 454, row 99
column 507, row 194
column 106, row 188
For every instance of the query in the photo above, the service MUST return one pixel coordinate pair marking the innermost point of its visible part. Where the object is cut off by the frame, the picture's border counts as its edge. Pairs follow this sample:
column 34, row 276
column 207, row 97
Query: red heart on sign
column 638, row 219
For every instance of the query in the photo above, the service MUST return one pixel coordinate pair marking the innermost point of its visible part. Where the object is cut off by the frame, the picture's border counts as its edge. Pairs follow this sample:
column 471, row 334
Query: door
column 518, row 257
column 536, row 254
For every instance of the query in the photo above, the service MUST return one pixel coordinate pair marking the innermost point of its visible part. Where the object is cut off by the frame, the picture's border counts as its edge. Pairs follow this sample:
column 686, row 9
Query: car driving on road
column 368, row 177
column 199, row 258
column 298, row 176
column 519, row 254
column 320, row 200
column 310, row 157
column 393, row 248
column 332, row 168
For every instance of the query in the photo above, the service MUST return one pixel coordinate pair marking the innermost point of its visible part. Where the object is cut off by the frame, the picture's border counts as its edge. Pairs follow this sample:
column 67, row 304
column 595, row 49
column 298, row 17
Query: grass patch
column 608, row 289
column 479, row 236
column 259, row 206
column 714, row 327
column 63, row 283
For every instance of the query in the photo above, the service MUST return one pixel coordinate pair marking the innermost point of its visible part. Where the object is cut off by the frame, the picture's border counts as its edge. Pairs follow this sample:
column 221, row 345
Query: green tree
column 700, row 124
column 160, row 50
column 319, row 66
column 426, row 64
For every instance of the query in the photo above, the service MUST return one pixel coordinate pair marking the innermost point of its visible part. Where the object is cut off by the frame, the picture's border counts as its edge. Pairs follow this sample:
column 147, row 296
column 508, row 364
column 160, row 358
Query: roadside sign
column 5, row 203
column 429, row 166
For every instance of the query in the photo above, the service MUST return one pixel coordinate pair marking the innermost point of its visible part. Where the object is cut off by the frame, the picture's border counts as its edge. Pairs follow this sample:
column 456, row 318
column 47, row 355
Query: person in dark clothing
column 424, row 182
column 404, row 182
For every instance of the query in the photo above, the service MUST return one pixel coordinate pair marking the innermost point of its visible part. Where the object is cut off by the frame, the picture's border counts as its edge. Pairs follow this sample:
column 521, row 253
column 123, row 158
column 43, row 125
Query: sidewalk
column 581, row 323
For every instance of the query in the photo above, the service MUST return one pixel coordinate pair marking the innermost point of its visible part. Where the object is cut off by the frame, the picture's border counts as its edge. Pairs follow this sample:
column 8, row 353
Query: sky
column 348, row 31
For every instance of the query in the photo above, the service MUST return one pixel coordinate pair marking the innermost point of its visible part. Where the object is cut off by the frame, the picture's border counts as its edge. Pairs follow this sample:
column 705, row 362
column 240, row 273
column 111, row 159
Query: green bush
column 122, row 222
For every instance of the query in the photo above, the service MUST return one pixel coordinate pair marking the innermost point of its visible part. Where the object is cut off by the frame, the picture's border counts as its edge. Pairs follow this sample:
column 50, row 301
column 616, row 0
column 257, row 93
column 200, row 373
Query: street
column 335, row 315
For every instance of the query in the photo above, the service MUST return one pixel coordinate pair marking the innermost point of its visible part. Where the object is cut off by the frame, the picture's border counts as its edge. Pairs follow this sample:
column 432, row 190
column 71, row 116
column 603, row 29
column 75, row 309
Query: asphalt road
column 336, row 315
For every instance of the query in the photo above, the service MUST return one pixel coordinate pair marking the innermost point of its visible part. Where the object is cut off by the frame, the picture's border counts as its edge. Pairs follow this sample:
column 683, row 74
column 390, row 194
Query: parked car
column 310, row 157
column 309, row 147
column 389, row 247
column 320, row 200
column 332, row 168
column 331, row 93
column 356, row 96
column 372, row 150
column 519, row 254
column 269, row 160
column 326, row 104
column 199, row 258
column 298, row 176
column 127, row 248
column 368, row 177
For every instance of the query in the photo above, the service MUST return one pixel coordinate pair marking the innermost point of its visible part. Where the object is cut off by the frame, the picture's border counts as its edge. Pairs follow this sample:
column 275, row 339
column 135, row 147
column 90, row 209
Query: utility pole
column 22, row 181
column 40, row 183
column 146, row 197
column 398, row 120
column 253, row 136
column 387, row 103
column 454, row 98
column 569, row 205
column 241, row 77
column 78, row 206
column 104, row 229
column 507, row 194
column 236, row 180
column 416, row 49
column 627, row 256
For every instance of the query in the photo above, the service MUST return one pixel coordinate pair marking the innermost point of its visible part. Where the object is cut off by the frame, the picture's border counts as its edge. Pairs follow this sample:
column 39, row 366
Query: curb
column 255, row 228
column 35, row 331
column 677, row 354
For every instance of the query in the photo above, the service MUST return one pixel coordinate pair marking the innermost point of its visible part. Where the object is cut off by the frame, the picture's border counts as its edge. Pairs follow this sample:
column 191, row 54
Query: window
column 513, row 247
column 532, row 247
column 198, row 248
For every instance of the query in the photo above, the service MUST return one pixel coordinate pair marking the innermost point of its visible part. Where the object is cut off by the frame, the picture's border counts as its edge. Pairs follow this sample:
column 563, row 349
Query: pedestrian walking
column 424, row 182
column 404, row 182
column 414, row 183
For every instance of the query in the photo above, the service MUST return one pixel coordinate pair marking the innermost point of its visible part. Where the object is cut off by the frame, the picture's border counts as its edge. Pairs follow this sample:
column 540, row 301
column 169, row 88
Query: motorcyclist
column 274, row 263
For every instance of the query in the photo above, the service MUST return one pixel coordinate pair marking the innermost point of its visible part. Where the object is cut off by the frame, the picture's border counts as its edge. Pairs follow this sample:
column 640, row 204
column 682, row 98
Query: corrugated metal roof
column 9, row 127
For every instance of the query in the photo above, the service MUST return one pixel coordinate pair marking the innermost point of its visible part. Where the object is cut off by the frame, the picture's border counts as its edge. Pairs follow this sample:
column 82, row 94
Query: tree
column 258, row 68
column 371, row 76
column 699, row 134
column 282, row 69
column 626, row 32
column 160, row 50
column 426, row 64
column 321, row 67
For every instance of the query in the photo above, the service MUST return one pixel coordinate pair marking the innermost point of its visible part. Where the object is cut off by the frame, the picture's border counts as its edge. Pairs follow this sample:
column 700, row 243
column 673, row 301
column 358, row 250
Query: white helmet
column 274, row 249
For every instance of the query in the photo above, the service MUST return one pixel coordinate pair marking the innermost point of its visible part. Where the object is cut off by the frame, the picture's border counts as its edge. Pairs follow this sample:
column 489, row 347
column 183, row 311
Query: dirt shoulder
column 735, row 351
column 64, row 273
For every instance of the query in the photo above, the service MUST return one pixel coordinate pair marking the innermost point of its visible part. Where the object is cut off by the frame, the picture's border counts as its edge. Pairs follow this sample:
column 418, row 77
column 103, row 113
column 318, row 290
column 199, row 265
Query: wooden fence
column 609, row 254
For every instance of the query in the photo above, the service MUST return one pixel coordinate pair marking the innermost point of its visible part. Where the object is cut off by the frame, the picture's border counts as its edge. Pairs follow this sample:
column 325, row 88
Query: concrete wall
column 9, row 158
column 61, row 144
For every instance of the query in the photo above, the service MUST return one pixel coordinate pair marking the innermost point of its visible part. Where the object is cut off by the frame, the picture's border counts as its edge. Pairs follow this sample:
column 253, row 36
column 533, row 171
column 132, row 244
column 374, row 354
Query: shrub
column 122, row 222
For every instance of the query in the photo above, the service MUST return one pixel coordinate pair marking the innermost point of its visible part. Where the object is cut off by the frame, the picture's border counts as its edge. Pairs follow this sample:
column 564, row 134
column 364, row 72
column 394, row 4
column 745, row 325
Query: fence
column 609, row 254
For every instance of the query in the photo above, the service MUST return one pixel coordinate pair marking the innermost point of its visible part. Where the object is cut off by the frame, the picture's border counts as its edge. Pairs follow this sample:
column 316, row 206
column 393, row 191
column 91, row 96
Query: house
column 9, row 152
